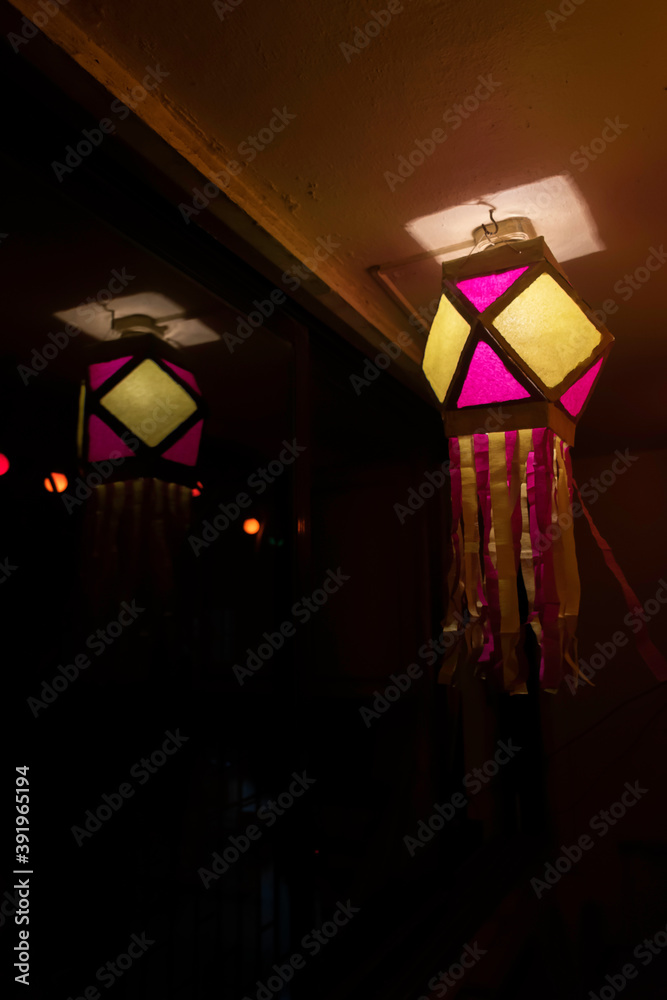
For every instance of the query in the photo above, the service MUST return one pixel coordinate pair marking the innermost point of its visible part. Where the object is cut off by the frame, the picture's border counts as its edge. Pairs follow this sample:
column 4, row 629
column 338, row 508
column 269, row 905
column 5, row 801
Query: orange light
column 57, row 480
column 4, row 464
column 251, row 526
column 196, row 492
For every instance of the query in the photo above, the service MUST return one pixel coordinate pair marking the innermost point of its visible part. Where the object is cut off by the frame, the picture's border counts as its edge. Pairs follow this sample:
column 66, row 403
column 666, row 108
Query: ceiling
column 328, row 176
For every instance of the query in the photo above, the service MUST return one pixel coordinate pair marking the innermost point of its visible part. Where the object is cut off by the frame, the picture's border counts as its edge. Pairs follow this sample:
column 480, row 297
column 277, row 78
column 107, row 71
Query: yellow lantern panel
column 447, row 338
column 149, row 403
column 548, row 330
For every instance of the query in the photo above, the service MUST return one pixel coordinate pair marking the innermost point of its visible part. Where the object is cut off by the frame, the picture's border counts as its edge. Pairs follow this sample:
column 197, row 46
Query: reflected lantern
column 142, row 410
column 141, row 418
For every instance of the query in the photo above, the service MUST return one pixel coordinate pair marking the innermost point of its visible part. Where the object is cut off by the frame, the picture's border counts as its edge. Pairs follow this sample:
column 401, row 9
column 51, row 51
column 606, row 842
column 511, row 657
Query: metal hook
column 486, row 231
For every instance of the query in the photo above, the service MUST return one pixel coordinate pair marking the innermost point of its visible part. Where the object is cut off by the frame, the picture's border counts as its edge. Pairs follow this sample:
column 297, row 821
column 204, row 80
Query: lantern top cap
column 137, row 344
column 137, row 324
column 502, row 257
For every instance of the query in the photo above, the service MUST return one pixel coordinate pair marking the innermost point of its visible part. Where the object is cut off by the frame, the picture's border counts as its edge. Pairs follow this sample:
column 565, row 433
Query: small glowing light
column 251, row 526
column 197, row 490
column 56, row 480
column 4, row 464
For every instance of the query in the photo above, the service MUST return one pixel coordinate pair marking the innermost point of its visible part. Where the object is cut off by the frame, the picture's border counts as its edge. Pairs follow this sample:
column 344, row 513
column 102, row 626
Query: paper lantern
column 142, row 410
column 140, row 423
column 513, row 356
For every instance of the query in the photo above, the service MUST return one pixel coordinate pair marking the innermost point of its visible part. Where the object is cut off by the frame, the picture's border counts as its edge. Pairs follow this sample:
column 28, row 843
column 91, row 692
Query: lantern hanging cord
column 110, row 333
column 486, row 233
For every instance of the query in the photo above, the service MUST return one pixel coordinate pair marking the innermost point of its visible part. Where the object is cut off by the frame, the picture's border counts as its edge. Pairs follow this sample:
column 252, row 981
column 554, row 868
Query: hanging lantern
column 513, row 355
column 141, row 409
column 140, row 424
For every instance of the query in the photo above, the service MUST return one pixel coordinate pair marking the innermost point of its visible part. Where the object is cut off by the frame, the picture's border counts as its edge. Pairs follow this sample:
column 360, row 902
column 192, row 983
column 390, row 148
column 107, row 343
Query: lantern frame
column 147, row 461
column 544, row 407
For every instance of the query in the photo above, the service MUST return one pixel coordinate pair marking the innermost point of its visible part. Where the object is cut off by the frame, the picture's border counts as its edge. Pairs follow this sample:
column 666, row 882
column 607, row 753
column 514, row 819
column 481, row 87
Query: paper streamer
column 512, row 503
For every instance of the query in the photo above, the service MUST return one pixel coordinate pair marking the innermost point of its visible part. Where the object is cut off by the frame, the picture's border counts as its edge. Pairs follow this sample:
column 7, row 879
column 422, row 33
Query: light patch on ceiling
column 554, row 205
column 96, row 319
